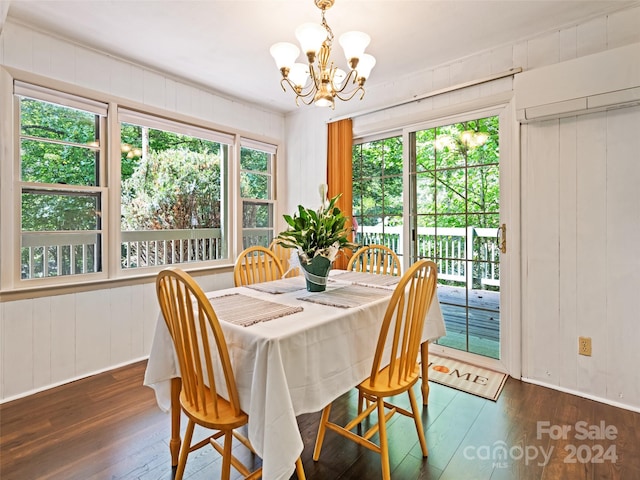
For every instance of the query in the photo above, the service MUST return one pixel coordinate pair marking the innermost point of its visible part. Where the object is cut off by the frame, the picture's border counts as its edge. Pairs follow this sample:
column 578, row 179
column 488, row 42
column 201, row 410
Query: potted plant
column 318, row 236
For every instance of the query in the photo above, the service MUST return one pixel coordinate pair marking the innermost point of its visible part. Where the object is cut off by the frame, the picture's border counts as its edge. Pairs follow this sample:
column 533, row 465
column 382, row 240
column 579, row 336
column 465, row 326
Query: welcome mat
column 466, row 377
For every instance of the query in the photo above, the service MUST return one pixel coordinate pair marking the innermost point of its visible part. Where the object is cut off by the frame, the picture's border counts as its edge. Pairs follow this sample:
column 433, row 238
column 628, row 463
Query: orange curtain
column 339, row 173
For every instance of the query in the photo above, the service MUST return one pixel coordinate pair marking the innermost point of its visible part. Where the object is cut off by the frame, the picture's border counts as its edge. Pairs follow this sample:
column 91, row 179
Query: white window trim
column 159, row 123
column 271, row 150
column 61, row 98
column 100, row 109
column 257, row 145
column 135, row 117
column 9, row 208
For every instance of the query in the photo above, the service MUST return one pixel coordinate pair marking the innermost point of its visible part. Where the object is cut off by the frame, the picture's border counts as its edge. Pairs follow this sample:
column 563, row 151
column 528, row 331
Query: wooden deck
column 484, row 315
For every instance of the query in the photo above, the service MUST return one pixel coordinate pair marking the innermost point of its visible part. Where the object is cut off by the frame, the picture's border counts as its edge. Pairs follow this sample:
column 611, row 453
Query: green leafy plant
column 317, row 232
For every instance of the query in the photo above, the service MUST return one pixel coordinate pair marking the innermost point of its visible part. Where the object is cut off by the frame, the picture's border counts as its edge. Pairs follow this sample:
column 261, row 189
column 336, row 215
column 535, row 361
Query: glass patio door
column 454, row 219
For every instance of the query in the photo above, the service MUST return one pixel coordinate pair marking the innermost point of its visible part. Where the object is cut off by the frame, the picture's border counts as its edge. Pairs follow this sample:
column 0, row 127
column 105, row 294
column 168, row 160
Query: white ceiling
column 224, row 45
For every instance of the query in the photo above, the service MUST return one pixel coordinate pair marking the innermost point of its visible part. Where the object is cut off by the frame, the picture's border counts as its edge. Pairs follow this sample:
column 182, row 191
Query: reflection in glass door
column 454, row 220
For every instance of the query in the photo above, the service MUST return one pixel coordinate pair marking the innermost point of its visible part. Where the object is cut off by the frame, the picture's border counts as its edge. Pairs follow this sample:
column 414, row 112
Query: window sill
column 23, row 293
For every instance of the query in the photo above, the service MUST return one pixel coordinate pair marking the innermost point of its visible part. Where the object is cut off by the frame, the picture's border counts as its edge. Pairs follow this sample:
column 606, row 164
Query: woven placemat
column 284, row 285
column 363, row 278
column 245, row 310
column 347, row 296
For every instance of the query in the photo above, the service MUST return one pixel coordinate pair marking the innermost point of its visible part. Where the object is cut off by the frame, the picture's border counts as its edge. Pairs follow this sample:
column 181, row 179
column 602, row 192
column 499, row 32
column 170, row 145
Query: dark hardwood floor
column 109, row 427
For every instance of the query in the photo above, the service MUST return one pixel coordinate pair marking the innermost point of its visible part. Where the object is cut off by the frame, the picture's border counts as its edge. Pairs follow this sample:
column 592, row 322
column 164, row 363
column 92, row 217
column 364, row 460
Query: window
column 256, row 190
column 60, row 179
column 455, row 175
column 150, row 191
column 173, row 192
column 377, row 192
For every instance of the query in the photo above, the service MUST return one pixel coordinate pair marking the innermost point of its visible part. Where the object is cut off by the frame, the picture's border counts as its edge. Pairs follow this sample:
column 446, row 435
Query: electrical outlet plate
column 584, row 346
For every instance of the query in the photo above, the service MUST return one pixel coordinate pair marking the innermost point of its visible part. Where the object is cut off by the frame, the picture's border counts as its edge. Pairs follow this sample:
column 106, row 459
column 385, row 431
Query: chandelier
column 322, row 82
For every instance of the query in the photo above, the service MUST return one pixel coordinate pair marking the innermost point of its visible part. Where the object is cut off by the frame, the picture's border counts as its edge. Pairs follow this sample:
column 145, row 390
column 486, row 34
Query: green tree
column 57, row 147
column 459, row 162
column 377, row 186
column 172, row 189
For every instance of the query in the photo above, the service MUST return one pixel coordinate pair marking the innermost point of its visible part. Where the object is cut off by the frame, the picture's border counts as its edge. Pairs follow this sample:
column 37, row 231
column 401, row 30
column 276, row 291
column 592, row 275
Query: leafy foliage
column 455, row 176
column 172, row 189
column 44, row 161
column 320, row 232
column 377, row 185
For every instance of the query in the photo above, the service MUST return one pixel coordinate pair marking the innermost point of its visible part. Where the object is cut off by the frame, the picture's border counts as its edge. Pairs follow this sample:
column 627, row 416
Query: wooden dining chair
column 200, row 346
column 284, row 254
column 375, row 258
column 399, row 341
column 256, row 265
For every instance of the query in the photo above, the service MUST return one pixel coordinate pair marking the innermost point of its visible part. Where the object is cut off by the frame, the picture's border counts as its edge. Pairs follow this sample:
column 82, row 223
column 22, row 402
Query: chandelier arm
column 351, row 95
column 301, row 93
column 348, row 79
column 302, row 99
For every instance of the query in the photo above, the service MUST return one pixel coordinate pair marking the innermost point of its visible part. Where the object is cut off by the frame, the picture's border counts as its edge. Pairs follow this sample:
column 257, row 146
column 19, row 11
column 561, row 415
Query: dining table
column 292, row 352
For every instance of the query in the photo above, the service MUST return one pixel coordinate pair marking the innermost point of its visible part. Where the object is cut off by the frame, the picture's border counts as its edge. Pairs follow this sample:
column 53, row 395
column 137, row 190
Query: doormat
column 466, row 377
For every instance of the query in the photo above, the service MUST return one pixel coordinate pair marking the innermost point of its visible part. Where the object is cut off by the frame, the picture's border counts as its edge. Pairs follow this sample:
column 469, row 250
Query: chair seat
column 225, row 420
column 385, row 387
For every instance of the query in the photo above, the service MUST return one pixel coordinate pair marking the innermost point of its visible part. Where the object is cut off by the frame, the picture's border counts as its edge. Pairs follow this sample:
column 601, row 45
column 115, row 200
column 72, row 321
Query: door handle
column 501, row 238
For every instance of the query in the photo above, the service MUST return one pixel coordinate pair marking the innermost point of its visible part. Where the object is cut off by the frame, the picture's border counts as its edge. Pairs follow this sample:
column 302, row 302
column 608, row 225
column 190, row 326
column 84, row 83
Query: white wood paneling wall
column 52, row 340
column 52, row 57
column 582, row 213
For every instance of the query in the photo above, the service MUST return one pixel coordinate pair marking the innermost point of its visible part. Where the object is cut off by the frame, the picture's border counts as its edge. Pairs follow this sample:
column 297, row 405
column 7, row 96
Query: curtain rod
column 417, row 98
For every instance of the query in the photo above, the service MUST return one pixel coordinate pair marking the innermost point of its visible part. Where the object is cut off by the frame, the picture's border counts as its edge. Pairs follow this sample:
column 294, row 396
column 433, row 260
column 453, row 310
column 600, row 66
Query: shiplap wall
column 52, row 340
column 577, row 206
column 581, row 208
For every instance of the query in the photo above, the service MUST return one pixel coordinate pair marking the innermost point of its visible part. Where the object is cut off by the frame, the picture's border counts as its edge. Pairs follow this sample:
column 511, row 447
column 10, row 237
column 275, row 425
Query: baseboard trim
column 606, row 401
column 69, row 380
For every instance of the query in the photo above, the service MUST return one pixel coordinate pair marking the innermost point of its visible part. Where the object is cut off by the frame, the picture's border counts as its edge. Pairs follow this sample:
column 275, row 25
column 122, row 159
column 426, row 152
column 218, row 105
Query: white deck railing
column 455, row 250
column 50, row 254
column 47, row 254
column 164, row 247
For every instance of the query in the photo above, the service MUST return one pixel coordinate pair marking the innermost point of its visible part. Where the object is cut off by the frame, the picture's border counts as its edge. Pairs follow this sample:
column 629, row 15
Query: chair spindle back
column 256, row 265
column 374, row 258
column 198, row 340
column 403, row 323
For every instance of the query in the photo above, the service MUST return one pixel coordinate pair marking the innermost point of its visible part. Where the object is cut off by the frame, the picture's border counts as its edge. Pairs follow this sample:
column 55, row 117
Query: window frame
column 272, row 151
column 100, row 109
column 136, row 117
column 10, row 200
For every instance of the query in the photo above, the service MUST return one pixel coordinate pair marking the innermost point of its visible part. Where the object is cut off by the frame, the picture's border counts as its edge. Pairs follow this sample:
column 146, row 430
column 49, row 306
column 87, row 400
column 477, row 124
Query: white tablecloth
column 289, row 366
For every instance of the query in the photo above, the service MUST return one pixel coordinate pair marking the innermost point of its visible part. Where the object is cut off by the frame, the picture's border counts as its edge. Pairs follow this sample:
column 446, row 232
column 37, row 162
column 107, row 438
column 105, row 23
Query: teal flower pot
column 316, row 273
